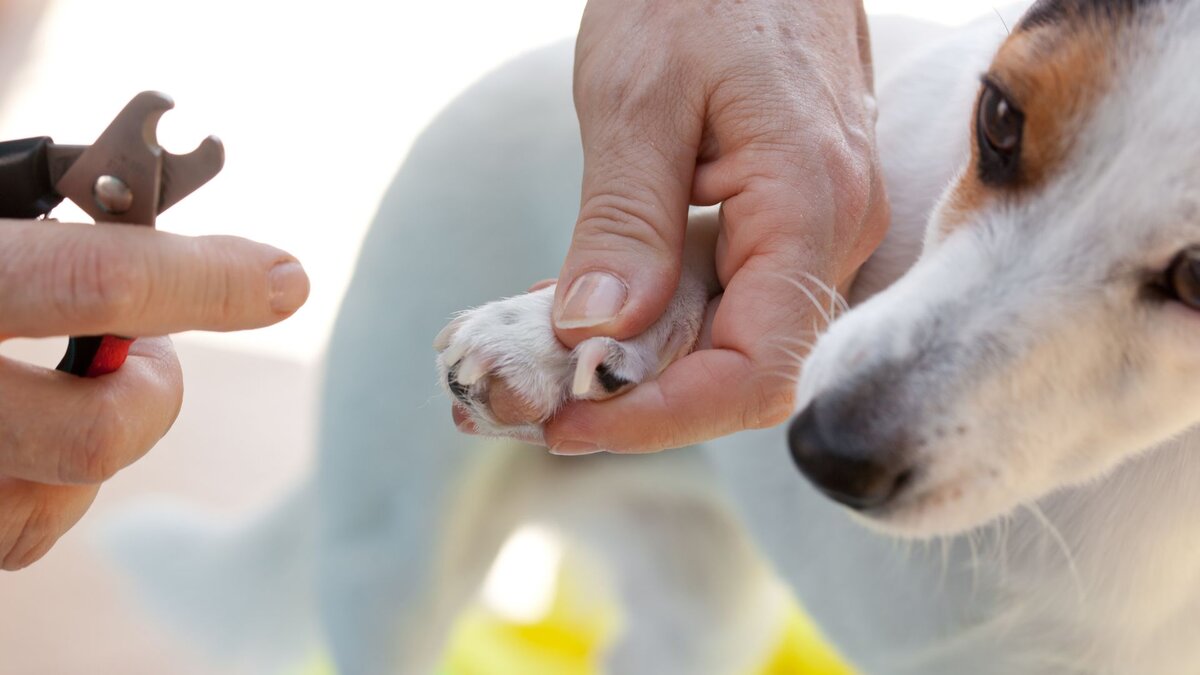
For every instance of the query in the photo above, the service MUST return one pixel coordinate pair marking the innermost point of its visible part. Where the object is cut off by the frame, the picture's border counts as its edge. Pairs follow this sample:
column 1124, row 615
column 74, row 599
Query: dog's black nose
column 831, row 453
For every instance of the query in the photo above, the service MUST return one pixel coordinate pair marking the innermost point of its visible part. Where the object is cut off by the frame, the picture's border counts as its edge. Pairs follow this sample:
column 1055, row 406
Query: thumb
column 624, row 262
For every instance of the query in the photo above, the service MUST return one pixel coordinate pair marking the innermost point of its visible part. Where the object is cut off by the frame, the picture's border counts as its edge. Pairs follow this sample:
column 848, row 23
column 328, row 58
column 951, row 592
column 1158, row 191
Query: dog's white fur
column 1094, row 563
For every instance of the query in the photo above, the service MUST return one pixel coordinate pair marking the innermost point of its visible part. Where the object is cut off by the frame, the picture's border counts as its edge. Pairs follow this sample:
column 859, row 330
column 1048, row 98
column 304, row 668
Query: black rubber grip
column 25, row 188
column 80, row 352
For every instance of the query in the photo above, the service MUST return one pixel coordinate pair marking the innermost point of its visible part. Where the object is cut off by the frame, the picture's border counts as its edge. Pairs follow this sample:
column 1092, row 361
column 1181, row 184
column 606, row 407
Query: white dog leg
column 484, row 202
column 697, row 598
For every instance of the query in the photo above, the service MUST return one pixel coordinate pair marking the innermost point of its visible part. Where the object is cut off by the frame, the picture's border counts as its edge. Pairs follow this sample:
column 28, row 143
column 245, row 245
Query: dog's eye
column 999, row 128
column 1183, row 277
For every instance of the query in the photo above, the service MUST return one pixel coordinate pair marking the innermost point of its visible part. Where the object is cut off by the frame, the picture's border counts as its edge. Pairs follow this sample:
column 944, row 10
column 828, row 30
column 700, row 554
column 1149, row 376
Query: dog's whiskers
column 835, row 299
column 799, row 358
column 793, row 361
column 1004, row 23
column 973, row 547
column 1002, row 527
column 798, row 348
column 794, row 379
column 807, row 332
column 826, row 314
column 779, row 342
column 1057, row 537
column 946, row 544
column 907, row 548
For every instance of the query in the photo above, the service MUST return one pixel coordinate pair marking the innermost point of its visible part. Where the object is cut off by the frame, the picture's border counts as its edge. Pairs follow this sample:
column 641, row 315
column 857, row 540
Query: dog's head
column 1051, row 328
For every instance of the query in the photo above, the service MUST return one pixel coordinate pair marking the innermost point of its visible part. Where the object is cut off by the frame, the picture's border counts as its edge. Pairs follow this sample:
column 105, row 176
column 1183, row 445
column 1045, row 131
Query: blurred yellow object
column 803, row 651
column 568, row 641
column 578, row 625
column 574, row 632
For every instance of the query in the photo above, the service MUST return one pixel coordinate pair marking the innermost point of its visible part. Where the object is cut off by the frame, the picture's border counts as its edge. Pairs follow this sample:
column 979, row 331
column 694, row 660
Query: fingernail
column 594, row 298
column 289, row 287
column 574, row 448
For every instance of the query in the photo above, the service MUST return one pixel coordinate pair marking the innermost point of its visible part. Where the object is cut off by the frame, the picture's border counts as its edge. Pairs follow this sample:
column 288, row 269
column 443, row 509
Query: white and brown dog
column 1047, row 335
column 1015, row 382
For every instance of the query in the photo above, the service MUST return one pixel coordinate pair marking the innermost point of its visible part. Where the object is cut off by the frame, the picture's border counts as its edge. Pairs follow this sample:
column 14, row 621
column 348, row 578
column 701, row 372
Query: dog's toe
column 511, row 408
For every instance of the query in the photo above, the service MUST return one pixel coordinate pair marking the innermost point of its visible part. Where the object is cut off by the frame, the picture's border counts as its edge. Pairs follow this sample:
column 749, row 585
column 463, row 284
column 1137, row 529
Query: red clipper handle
column 95, row 356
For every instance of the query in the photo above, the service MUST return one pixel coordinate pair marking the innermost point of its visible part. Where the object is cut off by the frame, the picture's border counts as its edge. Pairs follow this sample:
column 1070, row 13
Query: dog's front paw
column 506, row 369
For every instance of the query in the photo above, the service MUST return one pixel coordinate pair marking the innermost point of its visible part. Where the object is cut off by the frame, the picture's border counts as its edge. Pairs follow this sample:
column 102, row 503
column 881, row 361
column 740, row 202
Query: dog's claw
column 588, row 358
column 472, row 369
column 445, row 335
column 453, row 354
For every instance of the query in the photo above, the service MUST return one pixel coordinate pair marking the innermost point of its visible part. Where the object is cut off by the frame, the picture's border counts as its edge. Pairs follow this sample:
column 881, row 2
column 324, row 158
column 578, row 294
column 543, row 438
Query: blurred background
column 317, row 104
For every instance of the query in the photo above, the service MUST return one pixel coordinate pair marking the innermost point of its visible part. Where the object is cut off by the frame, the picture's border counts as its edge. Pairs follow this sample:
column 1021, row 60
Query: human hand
column 764, row 106
column 61, row 436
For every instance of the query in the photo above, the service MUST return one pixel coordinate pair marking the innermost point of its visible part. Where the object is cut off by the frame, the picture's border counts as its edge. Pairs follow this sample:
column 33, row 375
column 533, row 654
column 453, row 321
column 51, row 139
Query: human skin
column 762, row 106
column 62, row 436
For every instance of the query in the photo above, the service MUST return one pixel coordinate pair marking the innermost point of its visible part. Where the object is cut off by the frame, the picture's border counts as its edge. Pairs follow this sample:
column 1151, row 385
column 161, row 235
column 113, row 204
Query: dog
column 1044, row 337
column 1007, row 406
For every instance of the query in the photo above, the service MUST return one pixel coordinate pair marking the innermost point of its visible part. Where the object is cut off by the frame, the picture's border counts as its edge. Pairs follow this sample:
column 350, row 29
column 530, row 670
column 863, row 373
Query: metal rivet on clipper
column 112, row 195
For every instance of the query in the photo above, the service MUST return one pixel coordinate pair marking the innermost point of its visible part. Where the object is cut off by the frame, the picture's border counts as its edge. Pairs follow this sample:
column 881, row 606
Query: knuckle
column 608, row 81
column 661, row 43
column 598, row 86
column 610, row 221
column 94, row 448
column 96, row 286
column 852, row 165
column 627, row 99
column 860, row 203
column 859, row 191
column 219, row 296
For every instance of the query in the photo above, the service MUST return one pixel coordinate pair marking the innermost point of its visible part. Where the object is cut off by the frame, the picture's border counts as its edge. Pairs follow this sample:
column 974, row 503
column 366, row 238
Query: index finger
column 63, row 278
